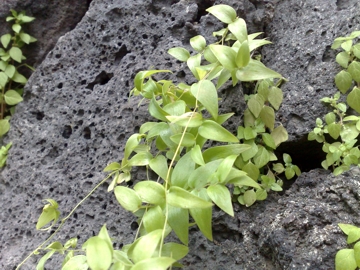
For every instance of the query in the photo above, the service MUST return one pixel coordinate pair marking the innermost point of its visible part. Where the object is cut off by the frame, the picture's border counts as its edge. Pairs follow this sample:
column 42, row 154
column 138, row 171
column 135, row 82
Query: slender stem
column 63, row 220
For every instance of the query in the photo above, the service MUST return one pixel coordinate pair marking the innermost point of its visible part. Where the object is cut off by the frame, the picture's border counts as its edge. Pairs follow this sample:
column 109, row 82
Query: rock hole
column 122, row 52
column 87, row 133
column 102, row 78
column 203, row 5
column 67, row 132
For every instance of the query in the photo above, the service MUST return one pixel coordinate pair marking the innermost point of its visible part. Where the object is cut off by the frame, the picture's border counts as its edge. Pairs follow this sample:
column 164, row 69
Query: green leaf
column 262, row 157
column 159, row 166
column 203, row 174
column 156, row 111
column 178, row 219
column 252, row 171
column 221, row 196
column 267, row 115
column 275, row 97
column 343, row 59
column 353, row 98
column 203, row 216
column 127, row 198
column 225, row 55
column 225, row 75
column 256, row 43
column 213, row 131
column 12, row 97
column 345, row 260
column 357, row 253
column 249, row 133
column 98, row 253
column 78, row 262
column 224, row 13
column 174, row 250
column 183, row 169
column 179, row 197
column 3, row 79
column 244, row 181
column 205, row 92
column 239, row 30
column 268, row 140
column 157, row 263
column 150, row 191
column 42, row 261
column 142, row 75
column 220, row 152
column 188, row 140
column 343, row 81
column 179, row 53
column 144, row 247
column 225, row 167
column 289, row 173
column 249, row 197
column 112, row 167
column 16, row 54
column 197, row 156
column 194, row 62
column 334, row 130
column 330, row 118
column 198, row 43
column 278, row 167
column 189, row 119
column 256, row 71
column 25, row 37
column 251, row 152
column 279, row 135
column 347, row 228
column 354, row 70
column 356, row 50
column 140, row 159
column 49, row 213
column 353, row 235
column 10, row 71
column 153, row 219
column 19, row 78
column 347, row 45
column 5, row 40
column 209, row 56
column 4, row 126
column 16, row 27
column 261, row 194
column 255, row 104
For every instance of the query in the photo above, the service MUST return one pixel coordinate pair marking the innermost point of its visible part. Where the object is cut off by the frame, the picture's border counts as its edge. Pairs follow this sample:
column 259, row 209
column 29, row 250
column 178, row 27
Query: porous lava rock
column 76, row 117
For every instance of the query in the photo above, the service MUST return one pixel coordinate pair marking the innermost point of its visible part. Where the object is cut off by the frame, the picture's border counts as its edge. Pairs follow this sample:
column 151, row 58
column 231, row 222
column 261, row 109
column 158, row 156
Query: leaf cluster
column 349, row 258
column 188, row 178
column 12, row 81
column 343, row 123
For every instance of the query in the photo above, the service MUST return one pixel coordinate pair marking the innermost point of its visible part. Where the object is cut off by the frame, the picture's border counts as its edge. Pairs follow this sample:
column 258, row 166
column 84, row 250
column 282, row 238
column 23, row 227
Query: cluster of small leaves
column 349, row 259
column 343, row 123
column 11, row 80
column 188, row 178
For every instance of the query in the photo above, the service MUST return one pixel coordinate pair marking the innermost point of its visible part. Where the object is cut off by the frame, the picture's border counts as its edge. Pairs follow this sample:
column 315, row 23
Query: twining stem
column 64, row 219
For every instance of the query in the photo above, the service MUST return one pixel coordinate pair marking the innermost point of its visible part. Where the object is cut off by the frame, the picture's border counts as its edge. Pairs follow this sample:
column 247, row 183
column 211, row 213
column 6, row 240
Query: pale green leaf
column 49, row 213
column 142, row 75
column 159, row 166
column 193, row 62
column 267, row 115
column 10, row 71
column 127, row 198
column 225, row 55
column 354, row 70
column 186, row 139
column 140, row 159
column 98, row 253
column 251, row 152
column 151, row 192
column 249, row 197
column 220, row 152
column 268, row 140
column 357, row 253
column 223, row 13
column 16, row 27
column 12, row 97
column 213, row 131
column 251, row 170
column 178, row 219
column 353, row 98
column 256, row 71
column 205, row 92
column 179, row 197
column 5, row 40
column 356, row 50
column 221, row 196
column 77, row 262
column 342, row 59
column 144, row 247
column 224, row 168
column 225, row 75
column 343, row 81
column 183, row 169
column 112, row 167
column 203, row 174
column 197, row 156
column 345, row 260
column 157, row 263
column 279, row 135
column 275, row 97
column 174, row 250
column 25, row 37
column 347, row 45
column 334, row 130
column 19, row 78
column 256, row 104
column 239, row 30
column 179, row 53
column 4, row 126
column 153, row 219
column 42, row 261
column 16, row 54
column 198, row 43
column 262, row 157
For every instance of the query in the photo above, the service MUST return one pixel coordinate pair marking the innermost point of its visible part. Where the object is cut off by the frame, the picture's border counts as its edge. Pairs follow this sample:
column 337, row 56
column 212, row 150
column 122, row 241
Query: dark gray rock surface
column 76, row 117
column 53, row 19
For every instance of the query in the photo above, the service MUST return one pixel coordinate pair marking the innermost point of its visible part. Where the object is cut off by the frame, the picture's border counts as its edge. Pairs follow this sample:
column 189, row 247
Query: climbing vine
column 188, row 177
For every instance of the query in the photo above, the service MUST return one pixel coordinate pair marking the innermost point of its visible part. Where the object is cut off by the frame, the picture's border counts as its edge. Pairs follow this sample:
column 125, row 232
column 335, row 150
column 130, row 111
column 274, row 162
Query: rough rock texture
column 53, row 19
column 76, row 117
